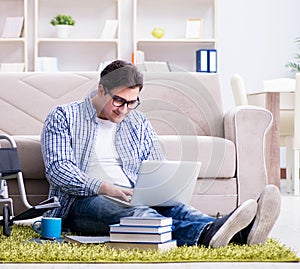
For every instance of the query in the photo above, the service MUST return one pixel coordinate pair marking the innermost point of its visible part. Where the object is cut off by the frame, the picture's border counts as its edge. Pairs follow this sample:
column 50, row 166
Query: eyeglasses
column 118, row 101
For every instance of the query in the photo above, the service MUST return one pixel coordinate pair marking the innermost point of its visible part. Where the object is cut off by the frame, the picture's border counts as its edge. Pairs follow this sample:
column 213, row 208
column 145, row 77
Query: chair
column 238, row 90
column 286, row 122
column 296, row 139
column 286, row 116
column 10, row 168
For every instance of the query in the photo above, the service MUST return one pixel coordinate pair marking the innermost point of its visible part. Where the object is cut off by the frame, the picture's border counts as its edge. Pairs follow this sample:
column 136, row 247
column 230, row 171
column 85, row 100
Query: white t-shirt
column 104, row 163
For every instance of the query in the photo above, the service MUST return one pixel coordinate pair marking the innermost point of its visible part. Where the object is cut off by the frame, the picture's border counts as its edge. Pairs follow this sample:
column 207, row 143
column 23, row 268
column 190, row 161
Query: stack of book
column 142, row 233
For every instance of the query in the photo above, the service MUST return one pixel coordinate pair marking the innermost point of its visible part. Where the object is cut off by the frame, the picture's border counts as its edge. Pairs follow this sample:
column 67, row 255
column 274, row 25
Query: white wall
column 256, row 41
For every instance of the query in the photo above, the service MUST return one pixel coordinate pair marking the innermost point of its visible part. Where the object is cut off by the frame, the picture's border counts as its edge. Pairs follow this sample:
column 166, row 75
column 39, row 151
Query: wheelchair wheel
column 6, row 220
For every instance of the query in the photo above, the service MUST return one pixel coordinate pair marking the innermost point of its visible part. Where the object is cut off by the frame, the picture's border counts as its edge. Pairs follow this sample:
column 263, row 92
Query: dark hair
column 120, row 73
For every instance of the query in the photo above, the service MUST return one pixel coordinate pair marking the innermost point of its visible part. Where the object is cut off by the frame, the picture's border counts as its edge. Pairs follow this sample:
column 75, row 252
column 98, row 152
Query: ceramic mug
column 48, row 228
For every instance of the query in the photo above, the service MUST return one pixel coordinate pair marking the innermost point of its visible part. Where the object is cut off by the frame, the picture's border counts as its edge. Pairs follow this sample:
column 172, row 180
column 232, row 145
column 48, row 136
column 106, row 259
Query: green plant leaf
column 62, row 19
column 295, row 66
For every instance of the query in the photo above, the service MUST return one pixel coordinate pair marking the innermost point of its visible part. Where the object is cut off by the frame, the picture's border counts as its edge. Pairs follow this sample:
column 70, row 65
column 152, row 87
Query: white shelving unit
column 84, row 50
column 171, row 15
column 14, row 50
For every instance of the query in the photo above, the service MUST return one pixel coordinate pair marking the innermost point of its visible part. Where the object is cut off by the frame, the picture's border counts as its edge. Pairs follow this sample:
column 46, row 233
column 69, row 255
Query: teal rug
column 19, row 248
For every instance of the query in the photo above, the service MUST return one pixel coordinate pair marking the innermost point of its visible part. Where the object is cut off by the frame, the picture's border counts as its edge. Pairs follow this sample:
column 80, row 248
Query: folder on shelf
column 213, row 61
column 13, row 27
column 12, row 67
column 156, row 66
column 110, row 29
column 47, row 64
column 139, row 57
column 206, row 60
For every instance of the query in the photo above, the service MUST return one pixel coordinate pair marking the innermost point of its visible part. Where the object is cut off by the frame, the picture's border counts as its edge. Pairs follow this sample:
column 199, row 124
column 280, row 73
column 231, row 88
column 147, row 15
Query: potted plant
column 295, row 66
column 63, row 24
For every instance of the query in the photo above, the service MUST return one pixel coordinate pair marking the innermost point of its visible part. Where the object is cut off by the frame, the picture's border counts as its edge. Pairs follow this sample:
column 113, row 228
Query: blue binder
column 206, row 60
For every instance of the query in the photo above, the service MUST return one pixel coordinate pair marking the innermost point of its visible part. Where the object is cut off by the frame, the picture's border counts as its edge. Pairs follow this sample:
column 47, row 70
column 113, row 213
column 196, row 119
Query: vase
column 63, row 31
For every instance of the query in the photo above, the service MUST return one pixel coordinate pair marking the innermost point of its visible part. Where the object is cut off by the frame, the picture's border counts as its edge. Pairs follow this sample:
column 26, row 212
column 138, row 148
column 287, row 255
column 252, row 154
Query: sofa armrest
column 247, row 127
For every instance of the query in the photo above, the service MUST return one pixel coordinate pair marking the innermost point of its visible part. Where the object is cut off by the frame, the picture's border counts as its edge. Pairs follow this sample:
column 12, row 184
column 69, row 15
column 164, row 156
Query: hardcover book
column 149, row 221
column 117, row 228
column 161, row 246
column 86, row 239
column 140, row 237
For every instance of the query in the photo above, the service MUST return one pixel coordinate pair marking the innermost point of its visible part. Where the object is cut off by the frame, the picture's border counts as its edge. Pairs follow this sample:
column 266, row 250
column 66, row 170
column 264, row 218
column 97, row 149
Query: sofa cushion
column 216, row 154
column 183, row 103
column 27, row 97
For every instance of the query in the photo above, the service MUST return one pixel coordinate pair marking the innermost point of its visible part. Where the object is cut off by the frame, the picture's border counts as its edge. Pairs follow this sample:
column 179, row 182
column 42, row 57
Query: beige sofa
column 184, row 108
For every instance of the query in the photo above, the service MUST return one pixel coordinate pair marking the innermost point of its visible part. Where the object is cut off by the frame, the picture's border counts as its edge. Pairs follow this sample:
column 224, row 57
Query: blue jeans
column 93, row 215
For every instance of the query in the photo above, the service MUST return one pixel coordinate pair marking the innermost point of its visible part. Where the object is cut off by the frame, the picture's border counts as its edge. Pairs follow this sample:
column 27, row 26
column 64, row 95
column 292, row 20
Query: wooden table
column 272, row 103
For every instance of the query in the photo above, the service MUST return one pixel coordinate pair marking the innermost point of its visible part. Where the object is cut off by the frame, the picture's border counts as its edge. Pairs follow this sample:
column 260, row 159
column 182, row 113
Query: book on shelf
column 110, row 29
column 13, row 27
column 117, row 228
column 206, row 60
column 130, row 245
column 47, row 64
column 86, row 239
column 12, row 67
column 140, row 237
column 146, row 221
column 156, row 66
column 138, row 58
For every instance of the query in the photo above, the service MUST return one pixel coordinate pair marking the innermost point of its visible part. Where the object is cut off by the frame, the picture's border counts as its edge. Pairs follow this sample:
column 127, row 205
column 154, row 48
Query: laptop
column 163, row 183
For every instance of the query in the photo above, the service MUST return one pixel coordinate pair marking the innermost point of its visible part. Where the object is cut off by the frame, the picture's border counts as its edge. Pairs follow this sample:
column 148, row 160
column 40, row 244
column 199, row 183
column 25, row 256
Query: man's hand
column 115, row 191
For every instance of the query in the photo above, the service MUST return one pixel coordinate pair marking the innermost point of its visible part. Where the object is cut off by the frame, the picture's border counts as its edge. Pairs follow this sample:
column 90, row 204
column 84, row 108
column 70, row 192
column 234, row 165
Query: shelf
column 84, row 49
column 89, row 16
column 173, row 47
column 14, row 50
column 72, row 40
column 176, row 40
column 18, row 39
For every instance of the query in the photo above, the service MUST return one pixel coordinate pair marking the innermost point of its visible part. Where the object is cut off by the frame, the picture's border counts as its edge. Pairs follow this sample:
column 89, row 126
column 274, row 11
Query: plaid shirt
column 67, row 141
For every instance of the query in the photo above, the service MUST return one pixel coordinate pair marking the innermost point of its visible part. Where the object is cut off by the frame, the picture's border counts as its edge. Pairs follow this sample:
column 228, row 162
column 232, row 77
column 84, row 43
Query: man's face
column 116, row 97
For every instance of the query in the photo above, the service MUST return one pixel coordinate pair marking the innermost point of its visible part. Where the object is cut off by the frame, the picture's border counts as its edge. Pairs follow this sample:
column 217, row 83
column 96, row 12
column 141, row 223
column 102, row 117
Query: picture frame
column 194, row 28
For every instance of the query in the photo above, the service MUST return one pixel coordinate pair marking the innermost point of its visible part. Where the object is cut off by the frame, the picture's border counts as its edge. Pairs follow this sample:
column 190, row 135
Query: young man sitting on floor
column 91, row 145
